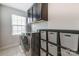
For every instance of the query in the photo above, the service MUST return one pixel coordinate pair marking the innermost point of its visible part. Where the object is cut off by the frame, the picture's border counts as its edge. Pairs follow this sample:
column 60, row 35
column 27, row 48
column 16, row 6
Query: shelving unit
column 59, row 42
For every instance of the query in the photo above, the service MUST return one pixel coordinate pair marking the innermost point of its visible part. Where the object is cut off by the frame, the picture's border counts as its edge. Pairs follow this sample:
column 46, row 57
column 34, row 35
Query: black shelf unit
column 58, row 44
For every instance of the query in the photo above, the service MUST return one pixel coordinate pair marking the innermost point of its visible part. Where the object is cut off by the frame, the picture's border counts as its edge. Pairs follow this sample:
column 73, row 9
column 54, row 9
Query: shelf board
column 35, row 22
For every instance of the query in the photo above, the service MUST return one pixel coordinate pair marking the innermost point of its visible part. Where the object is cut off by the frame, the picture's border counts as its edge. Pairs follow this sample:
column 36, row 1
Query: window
column 18, row 24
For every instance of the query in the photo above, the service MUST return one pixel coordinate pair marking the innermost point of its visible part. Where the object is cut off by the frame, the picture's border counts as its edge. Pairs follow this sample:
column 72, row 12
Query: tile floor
column 14, row 51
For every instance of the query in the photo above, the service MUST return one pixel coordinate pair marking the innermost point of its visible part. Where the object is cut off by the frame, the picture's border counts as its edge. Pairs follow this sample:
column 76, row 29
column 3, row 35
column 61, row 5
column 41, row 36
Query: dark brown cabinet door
column 35, row 44
column 44, row 11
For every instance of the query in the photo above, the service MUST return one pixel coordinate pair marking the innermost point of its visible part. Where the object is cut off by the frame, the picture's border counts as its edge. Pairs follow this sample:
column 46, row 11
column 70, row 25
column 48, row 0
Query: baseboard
column 9, row 46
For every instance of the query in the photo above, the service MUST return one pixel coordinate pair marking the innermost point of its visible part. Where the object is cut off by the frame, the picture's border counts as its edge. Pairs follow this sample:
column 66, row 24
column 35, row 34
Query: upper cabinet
column 29, row 15
column 44, row 11
column 34, row 12
column 39, row 11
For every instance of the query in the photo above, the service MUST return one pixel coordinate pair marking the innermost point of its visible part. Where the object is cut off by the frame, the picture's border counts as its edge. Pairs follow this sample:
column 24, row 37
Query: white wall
column 63, row 16
column 6, row 31
column 0, row 25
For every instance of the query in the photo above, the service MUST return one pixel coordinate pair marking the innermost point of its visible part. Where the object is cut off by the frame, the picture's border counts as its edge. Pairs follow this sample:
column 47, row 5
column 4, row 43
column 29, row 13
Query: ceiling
column 19, row 6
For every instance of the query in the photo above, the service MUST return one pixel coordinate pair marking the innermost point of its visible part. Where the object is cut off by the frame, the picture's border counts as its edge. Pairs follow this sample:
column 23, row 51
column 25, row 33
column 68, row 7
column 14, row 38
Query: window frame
column 17, row 25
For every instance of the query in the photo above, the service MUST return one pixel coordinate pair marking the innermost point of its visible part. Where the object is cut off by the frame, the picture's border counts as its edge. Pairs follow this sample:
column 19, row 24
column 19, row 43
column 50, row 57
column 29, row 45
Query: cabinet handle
column 68, row 35
column 51, row 33
column 42, row 32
